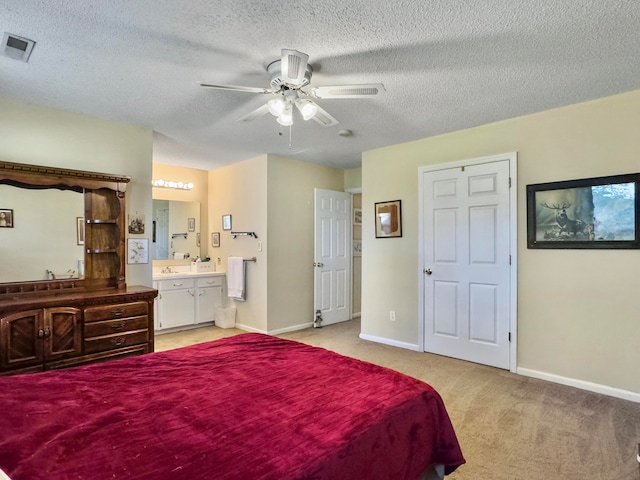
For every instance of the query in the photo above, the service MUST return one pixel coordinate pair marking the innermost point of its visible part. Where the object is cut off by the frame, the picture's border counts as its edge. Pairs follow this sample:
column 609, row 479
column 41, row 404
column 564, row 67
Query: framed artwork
column 80, row 230
column 600, row 212
column 357, row 248
column 388, row 219
column 226, row 222
column 191, row 224
column 137, row 250
column 357, row 216
column 136, row 224
column 6, row 218
column 215, row 239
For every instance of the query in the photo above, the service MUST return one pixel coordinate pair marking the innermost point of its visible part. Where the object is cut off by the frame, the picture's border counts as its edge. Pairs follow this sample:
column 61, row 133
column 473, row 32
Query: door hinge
column 509, row 259
column 509, row 182
column 509, row 337
column 462, row 168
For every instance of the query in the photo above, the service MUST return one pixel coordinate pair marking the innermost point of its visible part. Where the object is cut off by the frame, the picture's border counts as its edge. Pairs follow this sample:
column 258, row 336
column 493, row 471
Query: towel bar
column 252, row 259
column 244, row 234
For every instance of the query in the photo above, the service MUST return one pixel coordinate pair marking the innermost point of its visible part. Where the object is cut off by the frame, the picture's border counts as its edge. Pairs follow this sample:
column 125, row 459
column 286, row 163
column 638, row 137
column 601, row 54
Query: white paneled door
column 466, row 251
column 332, row 255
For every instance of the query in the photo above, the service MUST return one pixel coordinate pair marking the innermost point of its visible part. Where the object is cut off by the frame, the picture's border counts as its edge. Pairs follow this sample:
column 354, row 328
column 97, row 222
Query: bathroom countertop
column 183, row 274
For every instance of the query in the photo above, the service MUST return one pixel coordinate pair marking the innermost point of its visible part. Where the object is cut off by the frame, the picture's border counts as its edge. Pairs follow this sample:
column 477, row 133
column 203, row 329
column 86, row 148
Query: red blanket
column 245, row 407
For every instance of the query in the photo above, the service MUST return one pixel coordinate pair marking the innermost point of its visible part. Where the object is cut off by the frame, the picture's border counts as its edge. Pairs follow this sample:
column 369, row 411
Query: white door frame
column 512, row 157
column 353, row 191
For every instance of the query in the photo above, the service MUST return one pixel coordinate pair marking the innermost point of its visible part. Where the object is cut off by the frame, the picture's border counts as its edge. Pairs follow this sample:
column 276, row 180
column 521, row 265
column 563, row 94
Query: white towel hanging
column 236, row 278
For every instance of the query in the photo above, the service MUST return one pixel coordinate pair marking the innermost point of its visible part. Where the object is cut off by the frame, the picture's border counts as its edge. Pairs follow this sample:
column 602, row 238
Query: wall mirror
column 176, row 230
column 43, row 241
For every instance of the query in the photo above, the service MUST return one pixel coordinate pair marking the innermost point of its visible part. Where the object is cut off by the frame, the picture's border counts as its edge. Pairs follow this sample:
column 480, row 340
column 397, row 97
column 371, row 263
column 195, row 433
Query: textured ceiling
column 446, row 65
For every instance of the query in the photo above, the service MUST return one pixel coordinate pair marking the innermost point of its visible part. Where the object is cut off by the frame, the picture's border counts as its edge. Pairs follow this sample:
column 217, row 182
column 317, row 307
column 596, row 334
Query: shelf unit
column 49, row 324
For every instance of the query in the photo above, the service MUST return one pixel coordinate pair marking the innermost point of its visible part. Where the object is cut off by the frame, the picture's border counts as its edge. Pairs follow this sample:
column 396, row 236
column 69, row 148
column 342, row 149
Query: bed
column 250, row 406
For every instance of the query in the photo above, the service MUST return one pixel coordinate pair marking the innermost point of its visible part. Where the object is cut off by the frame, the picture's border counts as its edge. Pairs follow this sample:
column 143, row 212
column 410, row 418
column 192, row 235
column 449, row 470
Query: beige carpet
column 510, row 427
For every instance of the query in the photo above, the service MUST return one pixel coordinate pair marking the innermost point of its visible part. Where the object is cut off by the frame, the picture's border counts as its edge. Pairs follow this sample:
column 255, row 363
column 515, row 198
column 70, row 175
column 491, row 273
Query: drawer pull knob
column 40, row 333
column 118, row 312
column 117, row 341
column 47, row 332
column 117, row 325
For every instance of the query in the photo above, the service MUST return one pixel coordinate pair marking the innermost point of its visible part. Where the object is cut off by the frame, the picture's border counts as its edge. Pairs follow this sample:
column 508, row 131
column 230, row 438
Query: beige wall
column 291, row 185
column 278, row 192
column 577, row 309
column 240, row 190
column 39, row 135
column 352, row 178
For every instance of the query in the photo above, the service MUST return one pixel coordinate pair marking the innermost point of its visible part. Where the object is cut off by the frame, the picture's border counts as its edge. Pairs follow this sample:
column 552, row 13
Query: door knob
column 428, row 271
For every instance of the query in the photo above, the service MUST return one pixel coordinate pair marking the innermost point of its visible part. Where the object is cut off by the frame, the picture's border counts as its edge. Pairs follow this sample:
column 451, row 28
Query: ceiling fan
column 290, row 77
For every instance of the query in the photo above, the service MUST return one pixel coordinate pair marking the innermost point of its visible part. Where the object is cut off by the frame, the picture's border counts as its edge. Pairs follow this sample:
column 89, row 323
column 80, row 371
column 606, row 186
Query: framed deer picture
column 598, row 212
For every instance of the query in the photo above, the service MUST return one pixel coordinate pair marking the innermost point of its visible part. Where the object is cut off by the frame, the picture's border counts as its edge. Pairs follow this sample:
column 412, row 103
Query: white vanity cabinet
column 176, row 304
column 187, row 300
column 208, row 297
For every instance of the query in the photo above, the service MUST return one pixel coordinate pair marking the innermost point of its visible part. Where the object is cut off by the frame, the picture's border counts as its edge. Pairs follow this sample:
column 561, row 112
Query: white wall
column 577, row 309
column 40, row 135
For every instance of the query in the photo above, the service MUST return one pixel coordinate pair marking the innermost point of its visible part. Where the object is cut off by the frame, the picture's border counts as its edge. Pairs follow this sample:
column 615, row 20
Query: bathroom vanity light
column 172, row 184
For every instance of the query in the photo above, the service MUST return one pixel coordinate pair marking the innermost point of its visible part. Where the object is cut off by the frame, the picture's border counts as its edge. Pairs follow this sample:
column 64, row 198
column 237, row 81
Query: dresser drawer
column 117, row 310
column 210, row 281
column 108, row 327
column 176, row 283
column 117, row 340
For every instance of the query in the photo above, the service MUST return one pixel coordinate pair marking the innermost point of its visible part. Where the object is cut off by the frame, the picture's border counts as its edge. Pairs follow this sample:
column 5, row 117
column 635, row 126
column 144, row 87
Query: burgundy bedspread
column 245, row 407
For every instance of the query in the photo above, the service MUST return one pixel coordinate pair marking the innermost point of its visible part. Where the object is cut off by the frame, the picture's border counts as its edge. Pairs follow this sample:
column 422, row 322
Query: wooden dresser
column 74, row 328
column 48, row 324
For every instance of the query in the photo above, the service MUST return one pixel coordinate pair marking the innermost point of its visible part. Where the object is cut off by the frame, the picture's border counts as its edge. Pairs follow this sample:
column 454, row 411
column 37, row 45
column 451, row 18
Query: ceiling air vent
column 16, row 47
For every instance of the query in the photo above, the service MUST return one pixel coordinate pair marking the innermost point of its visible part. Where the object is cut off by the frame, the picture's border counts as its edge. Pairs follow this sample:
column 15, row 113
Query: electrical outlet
column 259, row 246
column 392, row 315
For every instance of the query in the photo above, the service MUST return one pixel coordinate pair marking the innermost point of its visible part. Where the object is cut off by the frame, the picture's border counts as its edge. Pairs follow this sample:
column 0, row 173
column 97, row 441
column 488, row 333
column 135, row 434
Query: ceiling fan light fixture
column 307, row 108
column 276, row 106
column 286, row 117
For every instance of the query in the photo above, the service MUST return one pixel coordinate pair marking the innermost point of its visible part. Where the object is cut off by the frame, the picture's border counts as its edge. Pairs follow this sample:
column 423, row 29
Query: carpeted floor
column 510, row 427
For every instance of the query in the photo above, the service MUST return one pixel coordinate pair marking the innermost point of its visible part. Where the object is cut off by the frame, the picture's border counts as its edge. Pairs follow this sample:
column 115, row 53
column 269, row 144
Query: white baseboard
column 247, row 328
column 581, row 384
column 293, row 328
column 387, row 341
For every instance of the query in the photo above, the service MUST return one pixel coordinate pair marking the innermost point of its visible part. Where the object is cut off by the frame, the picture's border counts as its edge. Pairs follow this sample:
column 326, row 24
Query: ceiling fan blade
column 293, row 66
column 237, row 88
column 258, row 112
column 323, row 117
column 348, row 91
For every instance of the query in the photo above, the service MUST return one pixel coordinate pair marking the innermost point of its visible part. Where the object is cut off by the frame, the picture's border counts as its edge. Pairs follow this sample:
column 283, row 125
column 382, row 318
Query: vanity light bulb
column 171, row 184
column 180, row 185
column 189, row 186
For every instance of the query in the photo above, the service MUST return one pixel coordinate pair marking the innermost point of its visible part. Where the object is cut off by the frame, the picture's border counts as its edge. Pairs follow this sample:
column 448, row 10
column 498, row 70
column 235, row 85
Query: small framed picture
column 191, row 224
column 215, row 239
column 136, row 224
column 388, row 219
column 6, row 218
column 80, row 230
column 137, row 250
column 357, row 248
column 226, row 222
column 357, row 216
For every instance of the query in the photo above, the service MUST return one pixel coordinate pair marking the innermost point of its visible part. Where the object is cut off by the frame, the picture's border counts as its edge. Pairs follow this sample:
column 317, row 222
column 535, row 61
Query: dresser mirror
column 176, row 230
column 44, row 240
column 60, row 229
